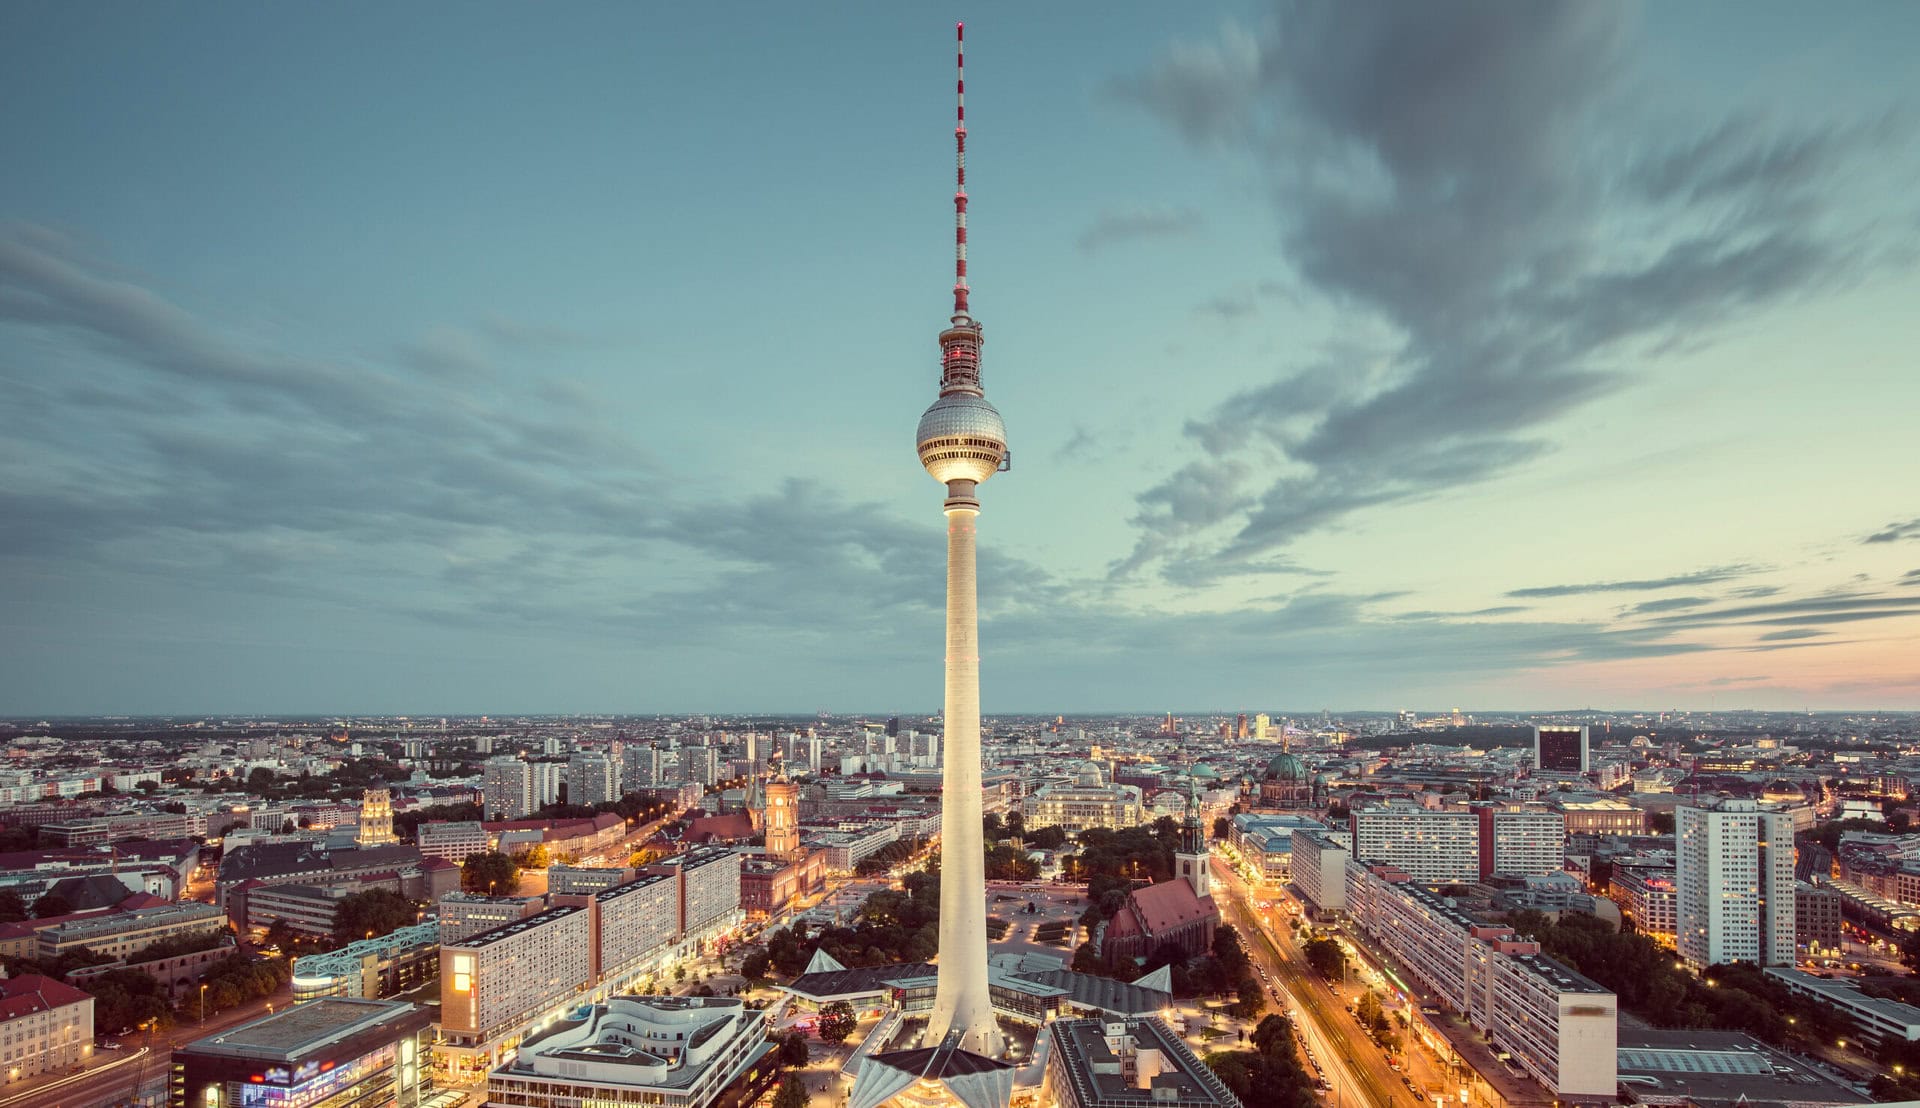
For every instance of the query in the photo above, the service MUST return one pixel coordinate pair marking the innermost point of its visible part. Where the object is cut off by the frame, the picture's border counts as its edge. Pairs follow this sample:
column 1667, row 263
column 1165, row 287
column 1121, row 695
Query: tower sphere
column 962, row 438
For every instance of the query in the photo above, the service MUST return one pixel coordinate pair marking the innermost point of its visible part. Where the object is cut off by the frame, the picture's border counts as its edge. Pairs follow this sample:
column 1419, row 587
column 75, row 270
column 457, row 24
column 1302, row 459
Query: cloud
column 1669, row 604
column 1800, row 633
column 1698, row 577
column 1895, row 532
column 1115, row 227
column 1461, row 174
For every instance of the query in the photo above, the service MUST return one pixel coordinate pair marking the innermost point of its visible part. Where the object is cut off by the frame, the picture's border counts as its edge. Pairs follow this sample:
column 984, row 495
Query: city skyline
column 442, row 365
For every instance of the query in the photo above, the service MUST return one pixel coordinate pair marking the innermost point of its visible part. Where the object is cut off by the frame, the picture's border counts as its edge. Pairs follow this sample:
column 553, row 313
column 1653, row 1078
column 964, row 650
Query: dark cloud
column 1113, row 228
column 1681, row 580
column 1801, row 633
column 1669, row 604
column 1895, row 532
column 1460, row 172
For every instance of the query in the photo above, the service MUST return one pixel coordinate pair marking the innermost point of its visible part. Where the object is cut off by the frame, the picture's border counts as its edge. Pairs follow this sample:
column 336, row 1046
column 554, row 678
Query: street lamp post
column 203, row 1002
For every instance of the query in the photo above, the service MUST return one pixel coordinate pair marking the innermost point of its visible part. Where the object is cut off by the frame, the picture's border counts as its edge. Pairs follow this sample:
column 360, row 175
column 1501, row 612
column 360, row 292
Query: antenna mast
column 960, row 171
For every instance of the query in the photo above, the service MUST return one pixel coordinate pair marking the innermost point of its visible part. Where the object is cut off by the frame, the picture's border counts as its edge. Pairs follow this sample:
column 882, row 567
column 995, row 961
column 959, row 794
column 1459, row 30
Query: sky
column 565, row 358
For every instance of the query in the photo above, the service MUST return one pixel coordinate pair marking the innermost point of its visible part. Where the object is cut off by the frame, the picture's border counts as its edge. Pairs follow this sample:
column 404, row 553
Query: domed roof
column 1286, row 767
column 962, row 437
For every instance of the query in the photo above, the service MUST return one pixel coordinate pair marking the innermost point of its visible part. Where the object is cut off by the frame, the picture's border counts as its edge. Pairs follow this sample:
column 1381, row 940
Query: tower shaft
column 960, row 1000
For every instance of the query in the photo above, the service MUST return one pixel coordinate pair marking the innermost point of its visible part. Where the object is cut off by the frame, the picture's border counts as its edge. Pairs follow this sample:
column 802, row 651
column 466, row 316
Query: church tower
column 1190, row 861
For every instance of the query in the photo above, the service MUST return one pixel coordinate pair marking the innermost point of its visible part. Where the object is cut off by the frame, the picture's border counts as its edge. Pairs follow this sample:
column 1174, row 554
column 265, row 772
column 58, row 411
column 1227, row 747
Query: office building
column 508, row 788
column 1733, row 883
column 330, row 1051
column 679, row 1052
column 371, row 969
column 125, row 933
column 1559, row 1026
column 1320, row 872
column 565, row 880
column 634, row 922
column 45, row 1027
column 591, row 779
column 467, row 914
column 1558, row 748
column 1088, row 801
column 1127, row 1063
column 453, row 840
column 1598, row 815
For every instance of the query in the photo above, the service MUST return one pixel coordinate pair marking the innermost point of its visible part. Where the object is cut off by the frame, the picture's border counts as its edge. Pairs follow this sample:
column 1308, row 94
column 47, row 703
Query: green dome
column 1286, row 767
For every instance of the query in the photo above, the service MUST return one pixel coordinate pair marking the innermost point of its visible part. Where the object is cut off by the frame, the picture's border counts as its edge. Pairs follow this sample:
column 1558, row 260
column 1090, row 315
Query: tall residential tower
column 962, row 442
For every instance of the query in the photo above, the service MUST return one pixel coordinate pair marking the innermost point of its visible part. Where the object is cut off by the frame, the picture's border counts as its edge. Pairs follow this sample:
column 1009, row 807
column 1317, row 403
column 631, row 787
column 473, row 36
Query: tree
column 1910, row 951
column 260, row 780
column 1087, row 959
column 836, row 1022
column 12, row 908
column 535, row 857
column 147, row 786
column 52, row 904
column 792, row 1094
column 489, row 871
column 1016, row 824
column 1660, row 823
column 1222, row 827
column 754, row 967
column 1326, row 958
column 376, row 910
column 793, row 1049
column 1251, row 1000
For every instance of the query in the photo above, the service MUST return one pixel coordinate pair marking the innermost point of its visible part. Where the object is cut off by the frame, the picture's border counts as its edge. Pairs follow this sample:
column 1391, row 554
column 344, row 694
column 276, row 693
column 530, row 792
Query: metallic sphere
column 962, row 438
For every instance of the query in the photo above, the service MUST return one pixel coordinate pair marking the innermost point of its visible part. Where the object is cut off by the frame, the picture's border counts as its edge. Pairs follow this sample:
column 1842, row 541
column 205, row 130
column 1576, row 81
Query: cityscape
column 416, row 693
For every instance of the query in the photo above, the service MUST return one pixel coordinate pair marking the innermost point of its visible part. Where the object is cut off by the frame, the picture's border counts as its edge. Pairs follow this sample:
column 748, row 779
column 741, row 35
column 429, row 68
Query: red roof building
column 1158, row 915
column 49, row 1023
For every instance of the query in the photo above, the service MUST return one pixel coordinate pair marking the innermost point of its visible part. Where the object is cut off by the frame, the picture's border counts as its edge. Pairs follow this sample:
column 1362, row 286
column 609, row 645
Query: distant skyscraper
column 1733, row 885
column 962, row 442
column 1261, row 725
column 1560, row 749
column 893, row 725
column 1241, row 726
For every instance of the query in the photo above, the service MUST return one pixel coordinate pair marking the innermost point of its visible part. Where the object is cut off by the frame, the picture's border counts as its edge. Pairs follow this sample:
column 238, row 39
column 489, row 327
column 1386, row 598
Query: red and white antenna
column 960, row 171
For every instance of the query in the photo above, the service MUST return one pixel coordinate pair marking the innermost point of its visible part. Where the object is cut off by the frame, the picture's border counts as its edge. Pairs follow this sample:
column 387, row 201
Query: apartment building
column 1527, row 842
column 1734, row 885
column 707, row 884
column 1559, row 1026
column 45, row 1027
column 493, row 983
column 1440, row 847
column 1644, row 889
column 453, row 840
column 635, row 922
column 508, row 788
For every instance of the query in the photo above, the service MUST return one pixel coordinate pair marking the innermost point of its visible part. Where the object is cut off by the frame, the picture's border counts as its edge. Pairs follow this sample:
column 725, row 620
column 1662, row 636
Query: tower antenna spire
column 960, row 170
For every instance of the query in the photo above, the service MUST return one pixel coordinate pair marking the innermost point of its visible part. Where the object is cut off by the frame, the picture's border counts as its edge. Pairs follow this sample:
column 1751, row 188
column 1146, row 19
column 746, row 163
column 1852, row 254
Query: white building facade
column 1734, row 885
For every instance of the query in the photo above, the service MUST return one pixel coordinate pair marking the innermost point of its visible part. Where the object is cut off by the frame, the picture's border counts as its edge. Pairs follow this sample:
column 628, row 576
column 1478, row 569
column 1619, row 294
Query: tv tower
column 962, row 442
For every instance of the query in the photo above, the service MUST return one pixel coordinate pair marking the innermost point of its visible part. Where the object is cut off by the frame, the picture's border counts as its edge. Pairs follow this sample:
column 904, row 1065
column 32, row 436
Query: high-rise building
column 700, row 765
column 1261, row 725
column 508, row 788
column 548, row 776
column 591, row 779
column 1441, row 847
column 641, row 768
column 1240, row 726
column 962, row 442
column 1733, row 880
column 1560, row 749
column 376, row 818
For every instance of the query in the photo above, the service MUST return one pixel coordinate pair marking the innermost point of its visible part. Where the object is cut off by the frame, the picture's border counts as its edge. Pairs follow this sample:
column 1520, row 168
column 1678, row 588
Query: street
column 110, row 1077
column 1356, row 1068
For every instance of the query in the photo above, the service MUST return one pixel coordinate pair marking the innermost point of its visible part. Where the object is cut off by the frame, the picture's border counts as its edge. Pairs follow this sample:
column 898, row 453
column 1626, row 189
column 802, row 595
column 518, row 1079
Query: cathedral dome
column 1286, row 767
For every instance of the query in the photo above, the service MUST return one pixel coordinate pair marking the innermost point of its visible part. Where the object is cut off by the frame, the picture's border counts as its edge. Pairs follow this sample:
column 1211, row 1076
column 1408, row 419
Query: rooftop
column 509, row 930
column 1094, row 1068
column 303, row 1029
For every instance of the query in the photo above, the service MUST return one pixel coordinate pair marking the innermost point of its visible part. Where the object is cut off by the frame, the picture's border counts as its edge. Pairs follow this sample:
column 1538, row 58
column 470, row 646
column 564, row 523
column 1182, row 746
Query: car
column 109, row 1044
